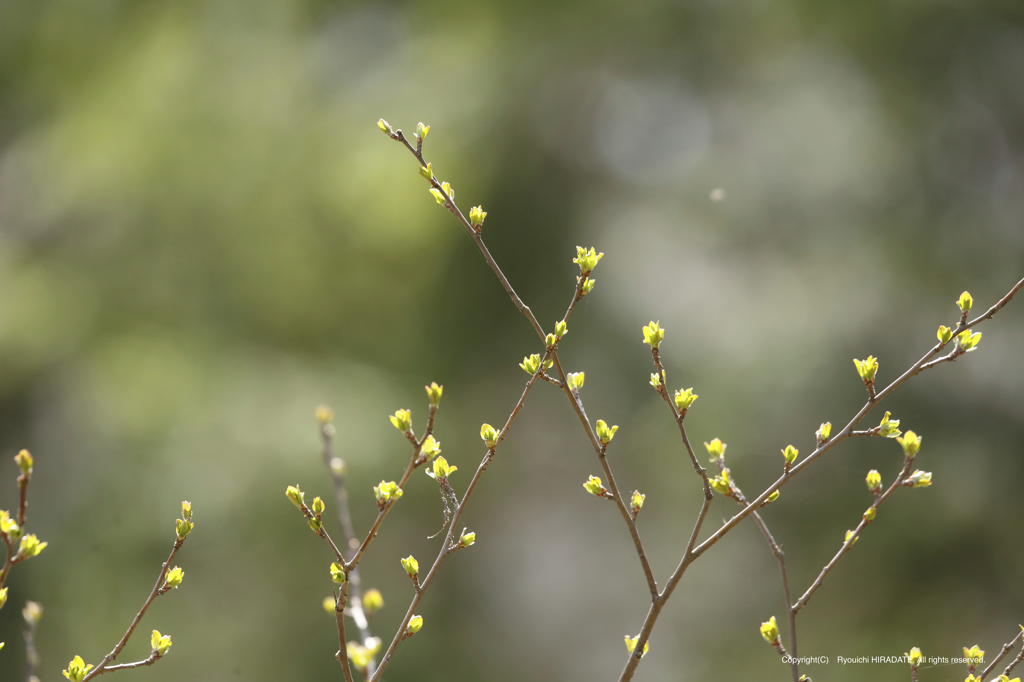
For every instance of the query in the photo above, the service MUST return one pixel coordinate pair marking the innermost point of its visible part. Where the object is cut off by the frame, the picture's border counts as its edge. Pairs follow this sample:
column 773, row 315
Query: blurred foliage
column 203, row 236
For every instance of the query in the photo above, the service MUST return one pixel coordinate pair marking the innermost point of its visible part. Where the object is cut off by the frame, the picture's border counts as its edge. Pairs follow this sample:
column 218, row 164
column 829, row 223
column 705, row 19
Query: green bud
column 448, row 190
column 186, row 510
column 790, row 453
column 415, row 625
column 685, row 398
column 315, row 524
column 575, row 380
column 77, row 669
column 358, row 655
column 434, row 392
column 869, row 515
column 911, row 443
column 422, row 130
column 824, row 432
column 438, row 196
column 653, row 334
column 967, row 340
column 427, row 171
column 467, row 539
column 337, row 573
column 174, row 577
column 373, row 601
column 489, row 435
column 160, row 643
column 655, row 380
column 401, row 420
column 636, row 502
column 587, row 260
column 974, row 655
column 771, row 498
column 889, row 428
column 318, row 506
column 411, row 566
column 965, row 302
column 587, row 286
column 716, row 449
column 431, row 447
column 24, row 461
column 920, row 479
column 915, row 657
column 477, row 215
column 385, row 492
column 532, row 363
column 867, row 368
column 850, row 534
column 874, row 481
column 721, row 483
column 595, row 487
column 945, row 334
column 561, row 329
column 631, row 645
column 604, row 432
column 770, row 631
column 7, row 523
column 295, row 495
column 441, row 469
column 385, row 128
column 3, row 596
column 183, row 527
column 550, row 340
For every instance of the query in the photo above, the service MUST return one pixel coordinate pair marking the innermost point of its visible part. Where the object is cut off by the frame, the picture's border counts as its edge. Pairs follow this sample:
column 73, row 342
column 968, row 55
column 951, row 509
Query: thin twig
column 1002, row 654
column 339, row 614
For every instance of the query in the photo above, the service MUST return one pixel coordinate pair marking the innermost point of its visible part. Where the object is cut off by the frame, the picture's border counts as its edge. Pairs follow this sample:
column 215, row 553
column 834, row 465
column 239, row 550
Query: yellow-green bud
column 587, row 286
column 386, row 491
column 3, row 596
column 915, row 657
column 401, row 420
column 358, row 655
column 656, row 381
column 427, row 171
column 974, row 655
column 550, row 340
column 415, row 625
column 790, row 453
column 324, row 415
column 318, row 506
column 967, row 340
column 867, row 368
column 373, row 601
column 467, row 539
column 477, row 214
column 422, row 130
column 770, row 631
column 965, row 302
column 431, row 447
column 561, row 328
column 716, row 449
column 32, row 612
column 174, row 577
column 771, row 498
column 721, row 483
column 385, row 128
column 595, row 487
column 434, row 392
column 183, row 527
column 824, row 432
column 604, row 432
column 24, row 461
column 160, row 643
column 911, row 443
column 889, row 428
column 531, row 364
column 337, row 572
column 186, row 510
column 684, row 398
column 30, row 546
column 448, row 190
column 874, row 481
column 869, row 515
column 575, row 380
column 945, row 334
column 438, row 196
column 411, row 566
column 489, row 434
column 920, row 479
column 587, row 260
column 631, row 645
column 315, row 524
column 441, row 469
column 295, row 495
column 653, row 334
column 77, row 669
column 329, row 604
column 637, row 501
column 850, row 534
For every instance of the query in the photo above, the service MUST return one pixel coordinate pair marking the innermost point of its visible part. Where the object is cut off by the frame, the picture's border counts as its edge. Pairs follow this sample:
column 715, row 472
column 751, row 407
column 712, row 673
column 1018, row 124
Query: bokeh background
column 203, row 236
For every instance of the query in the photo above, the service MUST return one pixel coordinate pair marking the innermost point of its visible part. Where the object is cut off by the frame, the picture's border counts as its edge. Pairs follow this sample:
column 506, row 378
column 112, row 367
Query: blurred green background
column 203, row 236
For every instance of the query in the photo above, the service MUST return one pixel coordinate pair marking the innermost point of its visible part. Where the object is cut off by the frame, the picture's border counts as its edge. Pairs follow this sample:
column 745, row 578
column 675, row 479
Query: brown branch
column 153, row 658
column 109, row 658
column 1002, row 654
column 339, row 614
